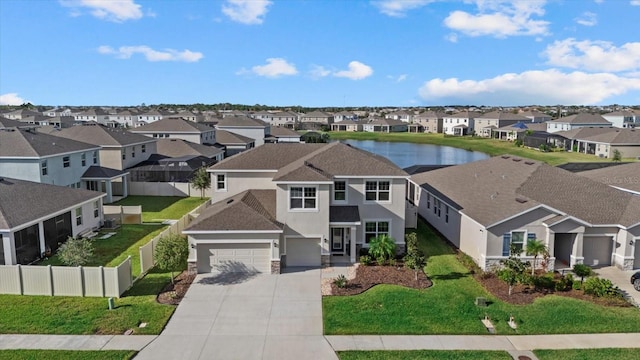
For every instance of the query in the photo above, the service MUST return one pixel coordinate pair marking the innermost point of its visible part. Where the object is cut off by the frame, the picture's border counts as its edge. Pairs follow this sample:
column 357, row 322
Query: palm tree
column 536, row 248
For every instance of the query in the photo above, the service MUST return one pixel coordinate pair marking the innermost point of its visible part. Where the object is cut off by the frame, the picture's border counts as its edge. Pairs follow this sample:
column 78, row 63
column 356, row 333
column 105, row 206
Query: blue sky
column 320, row 53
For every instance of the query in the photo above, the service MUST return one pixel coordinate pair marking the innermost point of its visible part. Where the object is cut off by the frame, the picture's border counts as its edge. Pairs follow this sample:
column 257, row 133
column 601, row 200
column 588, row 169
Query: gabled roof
column 93, row 112
column 490, row 191
column 316, row 114
column 251, row 210
column 616, row 137
column 430, row 115
column 224, row 137
column 100, row 172
column 173, row 125
column 242, row 121
column 103, row 136
column 278, row 131
column 626, row 176
column 178, row 147
column 582, row 118
column 8, row 123
column 29, row 143
column 584, row 132
column 24, row 201
column 267, row 157
column 463, row 115
column 501, row 115
column 386, row 122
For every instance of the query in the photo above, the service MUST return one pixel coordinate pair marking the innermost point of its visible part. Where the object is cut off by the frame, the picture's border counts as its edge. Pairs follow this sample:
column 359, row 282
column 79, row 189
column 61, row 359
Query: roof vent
column 521, row 200
column 505, row 156
column 229, row 201
column 516, row 159
column 529, row 162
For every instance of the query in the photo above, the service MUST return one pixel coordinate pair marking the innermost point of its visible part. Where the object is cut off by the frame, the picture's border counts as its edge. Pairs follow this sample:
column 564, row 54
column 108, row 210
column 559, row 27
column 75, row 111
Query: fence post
column 50, row 279
column 82, row 287
column 101, row 269
column 20, row 281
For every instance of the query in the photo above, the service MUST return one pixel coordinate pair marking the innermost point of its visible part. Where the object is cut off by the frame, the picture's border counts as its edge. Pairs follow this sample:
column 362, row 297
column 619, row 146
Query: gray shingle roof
column 24, row 201
column 224, row 137
column 173, row 125
column 178, row 147
column 266, row 157
column 501, row 115
column 492, row 190
column 100, row 172
column 344, row 214
column 278, row 131
column 243, row 121
column 625, row 176
column 582, row 118
column 103, row 136
column 29, row 143
column 7, row 123
column 253, row 210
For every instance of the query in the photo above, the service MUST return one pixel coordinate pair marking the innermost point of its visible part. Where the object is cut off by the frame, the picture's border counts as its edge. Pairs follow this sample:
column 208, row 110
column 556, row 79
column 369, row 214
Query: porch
column 343, row 223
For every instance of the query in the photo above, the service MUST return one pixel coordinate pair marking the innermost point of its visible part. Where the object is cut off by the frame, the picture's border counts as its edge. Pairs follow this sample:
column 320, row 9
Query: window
column 83, row 159
column 377, row 191
column 221, row 182
column 95, row 157
column 43, row 167
column 96, row 208
column 79, row 216
column 302, row 197
column 340, row 191
column 144, row 149
column 133, row 151
column 515, row 239
column 374, row 228
column 124, row 155
column 428, row 201
column 446, row 214
column 66, row 162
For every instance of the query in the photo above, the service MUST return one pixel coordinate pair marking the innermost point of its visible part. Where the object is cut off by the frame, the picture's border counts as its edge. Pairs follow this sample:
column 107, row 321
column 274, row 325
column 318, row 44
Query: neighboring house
column 54, row 112
column 315, row 120
column 126, row 118
column 178, row 129
column 228, row 113
column 459, row 124
column 265, row 116
column 576, row 121
column 486, row 124
column 385, row 125
column 148, row 117
column 601, row 141
column 625, row 177
column 535, row 116
column 19, row 114
column 282, row 134
column 402, row 115
column 9, row 123
column 186, row 115
column 346, row 125
column 255, row 129
column 621, row 119
column 344, row 115
column 30, row 155
column 234, row 143
column 160, row 169
column 518, row 130
column 296, row 205
column 285, row 119
column 36, row 218
column 94, row 114
column 57, row 121
column 430, row 121
column 507, row 201
column 175, row 148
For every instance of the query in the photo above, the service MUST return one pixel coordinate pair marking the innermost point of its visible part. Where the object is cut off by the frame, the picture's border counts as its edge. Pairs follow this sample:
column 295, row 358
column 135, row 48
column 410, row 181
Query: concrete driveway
column 246, row 316
column 621, row 279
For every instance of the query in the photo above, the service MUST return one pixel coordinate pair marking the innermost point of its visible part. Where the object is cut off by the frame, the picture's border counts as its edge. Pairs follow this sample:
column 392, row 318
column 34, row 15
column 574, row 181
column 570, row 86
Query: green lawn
column 424, row 355
column 588, row 354
column 160, row 208
column 66, row 355
column 492, row 147
column 114, row 250
column 88, row 315
column 448, row 306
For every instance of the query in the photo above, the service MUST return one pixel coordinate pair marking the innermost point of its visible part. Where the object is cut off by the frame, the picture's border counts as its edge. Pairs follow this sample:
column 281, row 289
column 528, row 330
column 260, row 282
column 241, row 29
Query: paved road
column 246, row 316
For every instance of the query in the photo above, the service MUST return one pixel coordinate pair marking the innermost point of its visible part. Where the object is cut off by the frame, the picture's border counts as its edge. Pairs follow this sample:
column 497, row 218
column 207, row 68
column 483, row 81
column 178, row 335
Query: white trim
column 370, row 177
column 345, row 223
column 50, row 156
column 376, row 220
column 242, row 171
column 238, row 241
column 346, row 193
column 226, row 185
column 303, row 209
column 305, row 183
column 377, row 181
column 190, row 232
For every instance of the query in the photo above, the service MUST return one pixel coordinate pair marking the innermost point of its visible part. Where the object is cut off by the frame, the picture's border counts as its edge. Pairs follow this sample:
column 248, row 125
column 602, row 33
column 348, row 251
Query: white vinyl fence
column 66, row 281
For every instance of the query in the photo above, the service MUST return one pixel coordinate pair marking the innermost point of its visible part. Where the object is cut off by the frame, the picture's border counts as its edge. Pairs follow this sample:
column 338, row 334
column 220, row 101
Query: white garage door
column 597, row 250
column 303, row 252
column 218, row 258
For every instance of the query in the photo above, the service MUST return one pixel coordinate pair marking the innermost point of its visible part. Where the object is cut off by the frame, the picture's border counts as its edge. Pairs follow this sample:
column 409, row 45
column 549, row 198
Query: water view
column 408, row 154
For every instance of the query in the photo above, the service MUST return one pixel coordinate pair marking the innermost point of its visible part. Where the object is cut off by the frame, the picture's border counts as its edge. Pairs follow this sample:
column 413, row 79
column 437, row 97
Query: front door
column 337, row 240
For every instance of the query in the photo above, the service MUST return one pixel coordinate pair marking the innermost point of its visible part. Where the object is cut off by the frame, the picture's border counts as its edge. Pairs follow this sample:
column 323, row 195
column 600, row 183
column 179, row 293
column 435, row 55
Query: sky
column 316, row 53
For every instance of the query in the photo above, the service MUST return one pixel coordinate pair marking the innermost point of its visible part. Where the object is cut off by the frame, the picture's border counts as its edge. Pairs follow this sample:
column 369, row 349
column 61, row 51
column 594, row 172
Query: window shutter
column 531, row 236
column 506, row 242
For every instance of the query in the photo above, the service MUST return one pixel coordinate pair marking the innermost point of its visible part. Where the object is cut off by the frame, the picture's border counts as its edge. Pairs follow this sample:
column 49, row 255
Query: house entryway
column 340, row 241
column 562, row 249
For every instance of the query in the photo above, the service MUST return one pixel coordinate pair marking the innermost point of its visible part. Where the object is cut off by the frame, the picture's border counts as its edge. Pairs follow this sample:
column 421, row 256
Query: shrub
column 76, row 251
column 600, row 287
column 582, row 270
column 382, row 247
column 340, row 281
column 415, row 262
column 363, row 251
column 411, row 241
column 576, row 285
column 365, row 260
column 562, row 284
column 393, row 262
column 545, row 281
column 381, row 260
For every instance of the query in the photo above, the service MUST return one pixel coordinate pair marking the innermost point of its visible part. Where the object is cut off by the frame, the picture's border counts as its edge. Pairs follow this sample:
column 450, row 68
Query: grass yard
column 588, row 354
column 448, row 306
column 424, row 355
column 114, row 250
column 66, row 355
column 160, row 208
column 492, row 147
column 88, row 315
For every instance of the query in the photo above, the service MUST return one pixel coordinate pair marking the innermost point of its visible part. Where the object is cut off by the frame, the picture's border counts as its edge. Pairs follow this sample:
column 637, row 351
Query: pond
column 408, row 154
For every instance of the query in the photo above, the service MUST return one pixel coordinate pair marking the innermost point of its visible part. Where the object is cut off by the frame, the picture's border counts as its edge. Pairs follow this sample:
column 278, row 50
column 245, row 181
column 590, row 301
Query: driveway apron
column 246, row 316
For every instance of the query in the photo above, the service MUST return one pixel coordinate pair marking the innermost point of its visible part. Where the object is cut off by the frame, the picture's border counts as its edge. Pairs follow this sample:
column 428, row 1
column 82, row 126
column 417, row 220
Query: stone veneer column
column 275, row 266
column 192, row 268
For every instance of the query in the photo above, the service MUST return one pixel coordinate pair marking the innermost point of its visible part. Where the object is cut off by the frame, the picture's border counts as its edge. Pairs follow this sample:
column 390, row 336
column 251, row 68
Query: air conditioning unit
column 108, row 223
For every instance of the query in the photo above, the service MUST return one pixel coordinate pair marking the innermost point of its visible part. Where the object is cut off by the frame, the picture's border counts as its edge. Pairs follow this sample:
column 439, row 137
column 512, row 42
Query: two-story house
column 572, row 122
column 486, row 124
column 459, row 124
column 178, row 129
column 621, row 119
column 296, row 205
column 285, row 119
column 315, row 120
column 245, row 126
column 430, row 121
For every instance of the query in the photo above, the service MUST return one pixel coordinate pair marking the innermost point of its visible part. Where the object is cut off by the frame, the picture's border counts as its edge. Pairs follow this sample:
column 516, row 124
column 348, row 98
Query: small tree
column 171, row 253
column 582, row 270
column 513, row 269
column 76, row 251
column 535, row 248
column 382, row 247
column 617, row 155
column 201, row 180
column 415, row 261
column 411, row 242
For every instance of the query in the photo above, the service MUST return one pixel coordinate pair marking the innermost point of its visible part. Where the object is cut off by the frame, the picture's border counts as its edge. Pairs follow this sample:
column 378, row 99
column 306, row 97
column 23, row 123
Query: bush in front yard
column 600, row 287
column 365, row 260
column 382, row 247
column 171, row 253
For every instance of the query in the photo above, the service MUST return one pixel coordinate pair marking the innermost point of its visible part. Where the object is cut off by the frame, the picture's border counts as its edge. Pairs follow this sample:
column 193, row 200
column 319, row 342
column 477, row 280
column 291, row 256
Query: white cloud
column 274, row 68
column 250, row 12
column 545, row 87
column 399, row 78
column 318, row 71
column 399, row 8
column 357, row 71
column 501, row 19
column 587, row 19
column 452, row 37
column 125, row 52
column 593, row 55
column 634, row 2
column 12, row 99
column 111, row 10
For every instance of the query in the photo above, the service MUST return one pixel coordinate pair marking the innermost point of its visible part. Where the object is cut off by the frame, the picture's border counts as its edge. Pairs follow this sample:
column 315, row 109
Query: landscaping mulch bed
column 369, row 276
column 523, row 294
column 173, row 293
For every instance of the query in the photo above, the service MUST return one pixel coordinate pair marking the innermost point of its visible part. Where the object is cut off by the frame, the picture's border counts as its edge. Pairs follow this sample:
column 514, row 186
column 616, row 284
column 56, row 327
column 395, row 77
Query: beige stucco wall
column 627, row 151
column 238, row 182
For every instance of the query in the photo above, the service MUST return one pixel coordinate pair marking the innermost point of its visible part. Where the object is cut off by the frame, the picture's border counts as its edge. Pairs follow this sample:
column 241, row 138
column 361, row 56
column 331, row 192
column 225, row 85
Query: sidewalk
column 75, row 342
